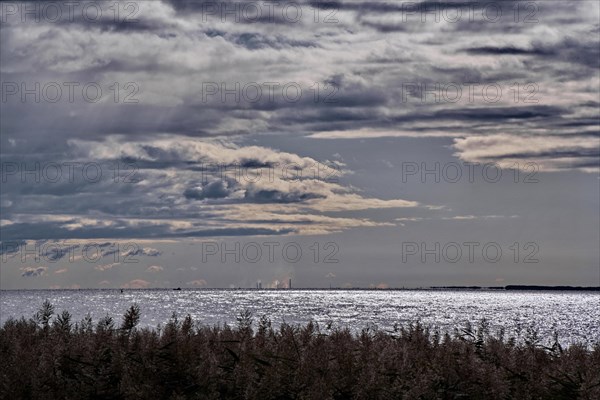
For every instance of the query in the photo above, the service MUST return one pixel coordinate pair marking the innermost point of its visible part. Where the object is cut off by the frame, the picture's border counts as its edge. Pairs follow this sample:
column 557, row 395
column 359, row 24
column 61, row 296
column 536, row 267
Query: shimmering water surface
column 574, row 315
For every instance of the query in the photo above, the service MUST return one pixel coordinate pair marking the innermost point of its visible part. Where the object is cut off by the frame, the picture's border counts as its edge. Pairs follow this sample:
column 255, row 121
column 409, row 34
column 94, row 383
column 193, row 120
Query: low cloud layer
column 183, row 187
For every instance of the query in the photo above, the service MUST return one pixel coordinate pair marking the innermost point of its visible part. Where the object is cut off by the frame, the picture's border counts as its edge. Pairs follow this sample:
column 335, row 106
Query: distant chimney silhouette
column 290, row 283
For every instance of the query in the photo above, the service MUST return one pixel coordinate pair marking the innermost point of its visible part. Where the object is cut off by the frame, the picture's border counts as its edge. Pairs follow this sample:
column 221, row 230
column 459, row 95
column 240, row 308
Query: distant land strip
column 508, row 287
column 524, row 287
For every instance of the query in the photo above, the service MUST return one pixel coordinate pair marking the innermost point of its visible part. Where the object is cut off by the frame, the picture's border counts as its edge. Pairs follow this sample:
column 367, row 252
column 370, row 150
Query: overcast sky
column 345, row 144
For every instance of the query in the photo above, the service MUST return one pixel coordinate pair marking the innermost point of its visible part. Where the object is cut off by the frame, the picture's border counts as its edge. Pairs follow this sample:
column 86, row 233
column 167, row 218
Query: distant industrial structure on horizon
column 277, row 285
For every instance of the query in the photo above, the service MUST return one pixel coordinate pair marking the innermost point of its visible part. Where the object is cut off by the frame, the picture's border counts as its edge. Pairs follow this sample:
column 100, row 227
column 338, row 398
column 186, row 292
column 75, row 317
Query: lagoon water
column 574, row 315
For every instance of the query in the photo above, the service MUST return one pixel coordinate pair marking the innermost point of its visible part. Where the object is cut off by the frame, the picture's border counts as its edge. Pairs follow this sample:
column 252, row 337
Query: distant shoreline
column 431, row 288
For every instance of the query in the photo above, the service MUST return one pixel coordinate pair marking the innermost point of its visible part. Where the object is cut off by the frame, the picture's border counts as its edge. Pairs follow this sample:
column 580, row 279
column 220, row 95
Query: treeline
column 51, row 357
column 538, row 287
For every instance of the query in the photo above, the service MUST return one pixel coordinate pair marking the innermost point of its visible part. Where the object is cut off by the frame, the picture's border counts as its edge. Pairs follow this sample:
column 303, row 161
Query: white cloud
column 105, row 267
column 543, row 152
column 136, row 284
column 154, row 268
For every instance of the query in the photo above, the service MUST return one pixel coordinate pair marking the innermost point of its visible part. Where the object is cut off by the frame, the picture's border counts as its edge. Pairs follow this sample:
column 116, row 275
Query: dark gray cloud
column 570, row 50
column 255, row 41
column 489, row 50
column 31, row 272
column 212, row 190
column 365, row 91
column 276, row 196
